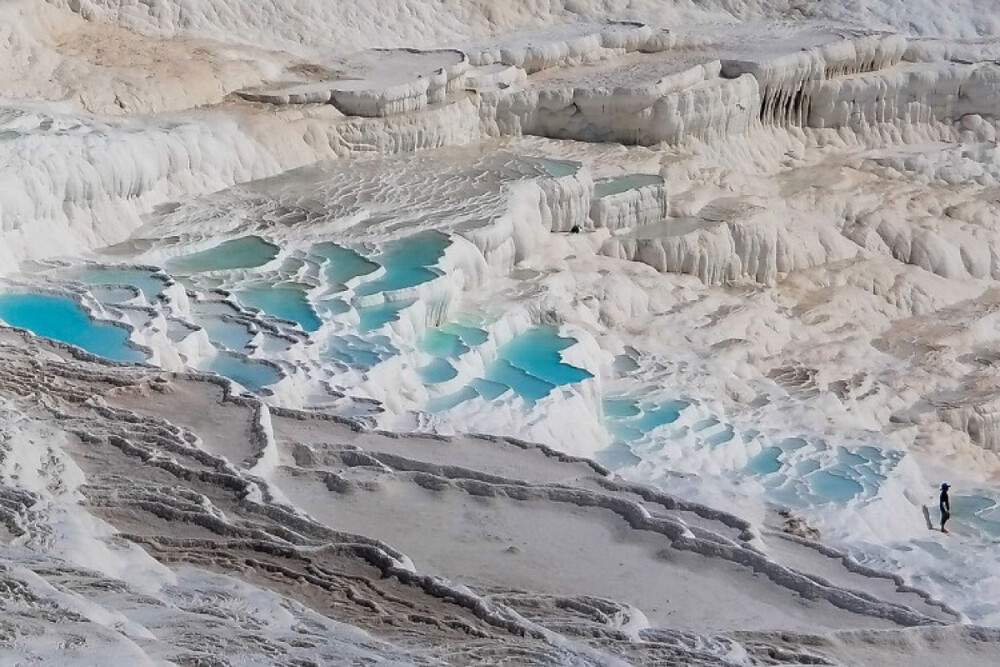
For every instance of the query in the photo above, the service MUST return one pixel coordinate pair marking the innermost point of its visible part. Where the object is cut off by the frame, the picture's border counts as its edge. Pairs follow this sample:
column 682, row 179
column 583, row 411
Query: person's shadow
column 927, row 517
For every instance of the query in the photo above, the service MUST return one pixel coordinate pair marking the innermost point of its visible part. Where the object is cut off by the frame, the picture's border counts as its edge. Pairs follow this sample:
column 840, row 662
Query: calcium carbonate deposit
column 583, row 332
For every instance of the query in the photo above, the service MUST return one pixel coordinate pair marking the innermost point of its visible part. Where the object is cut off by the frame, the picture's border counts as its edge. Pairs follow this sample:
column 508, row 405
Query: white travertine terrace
column 629, row 202
column 375, row 83
column 732, row 265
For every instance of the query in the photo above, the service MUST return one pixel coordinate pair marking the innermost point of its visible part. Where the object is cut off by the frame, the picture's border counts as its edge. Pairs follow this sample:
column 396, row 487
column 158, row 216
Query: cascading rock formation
column 571, row 332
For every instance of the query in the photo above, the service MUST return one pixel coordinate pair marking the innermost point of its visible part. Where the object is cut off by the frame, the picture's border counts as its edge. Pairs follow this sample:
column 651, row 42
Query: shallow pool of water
column 833, row 487
column 980, row 512
column 767, row 462
column 374, row 317
column 620, row 408
column 470, row 335
column 356, row 351
column 408, row 262
column 286, row 301
column 343, row 264
column 247, row 252
column 112, row 294
column 438, row 371
column 63, row 319
column 621, row 431
column 558, row 168
column 149, row 283
column 660, row 415
column 440, row 343
column 528, row 387
column 489, row 390
column 226, row 332
column 536, row 352
column 619, row 184
column 251, row 374
column 444, row 403
column 618, row 455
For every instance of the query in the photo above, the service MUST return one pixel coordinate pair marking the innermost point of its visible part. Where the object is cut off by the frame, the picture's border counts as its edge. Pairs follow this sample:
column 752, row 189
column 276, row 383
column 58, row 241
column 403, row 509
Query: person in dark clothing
column 945, row 506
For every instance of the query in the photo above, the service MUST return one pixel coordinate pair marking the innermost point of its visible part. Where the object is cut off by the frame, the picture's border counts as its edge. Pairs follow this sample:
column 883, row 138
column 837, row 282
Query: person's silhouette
column 945, row 506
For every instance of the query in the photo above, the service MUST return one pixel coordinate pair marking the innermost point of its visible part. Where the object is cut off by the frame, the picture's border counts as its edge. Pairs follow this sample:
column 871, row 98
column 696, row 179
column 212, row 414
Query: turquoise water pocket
column 63, row 319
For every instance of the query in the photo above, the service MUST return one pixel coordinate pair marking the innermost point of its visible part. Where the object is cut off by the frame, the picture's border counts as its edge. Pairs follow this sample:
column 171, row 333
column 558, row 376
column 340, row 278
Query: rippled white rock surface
column 328, row 268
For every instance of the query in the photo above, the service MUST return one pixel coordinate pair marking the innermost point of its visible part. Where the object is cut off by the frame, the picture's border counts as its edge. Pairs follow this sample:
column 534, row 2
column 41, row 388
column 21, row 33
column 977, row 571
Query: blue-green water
column 979, row 511
column 333, row 307
column 559, row 168
column 374, row 317
column 803, row 468
column 530, row 364
column 343, row 264
column 537, row 353
column 442, row 403
column 452, row 340
column 251, row 374
column 623, row 432
column 438, row 371
column 620, row 408
column 63, row 319
column 408, row 262
column 354, row 356
column 618, row 455
column 856, row 472
column 228, row 333
column 723, row 436
column 628, row 420
column 356, row 351
column 112, row 294
column 849, row 458
column 792, row 444
column 767, row 462
column 440, row 343
column 149, row 283
column 286, row 301
column 471, row 336
column 247, row 252
column 528, row 387
column 660, row 415
column 613, row 186
column 833, row 487
column 488, row 390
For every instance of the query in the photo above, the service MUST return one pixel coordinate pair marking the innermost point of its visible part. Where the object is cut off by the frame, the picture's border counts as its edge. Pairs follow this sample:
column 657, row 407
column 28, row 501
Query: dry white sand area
column 501, row 549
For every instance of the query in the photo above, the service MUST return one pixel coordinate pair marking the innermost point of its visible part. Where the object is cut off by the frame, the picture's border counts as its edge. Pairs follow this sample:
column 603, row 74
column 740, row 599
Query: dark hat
column 946, row 485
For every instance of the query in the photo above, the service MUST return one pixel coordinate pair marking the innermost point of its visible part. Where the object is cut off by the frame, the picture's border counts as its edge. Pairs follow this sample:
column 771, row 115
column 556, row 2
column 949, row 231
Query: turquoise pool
column 527, row 386
column 226, row 332
column 286, row 301
column 374, row 317
column 440, row 343
column 529, row 365
column 452, row 340
column 63, row 319
column 343, row 264
column 149, row 283
column 408, row 262
column 767, row 462
column 536, row 352
column 438, row 371
column 558, row 168
column 614, row 186
column 247, row 252
column 251, row 374
column 833, row 486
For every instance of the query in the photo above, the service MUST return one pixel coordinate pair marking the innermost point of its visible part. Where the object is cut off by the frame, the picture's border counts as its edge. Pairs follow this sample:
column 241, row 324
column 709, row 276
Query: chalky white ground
column 764, row 234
